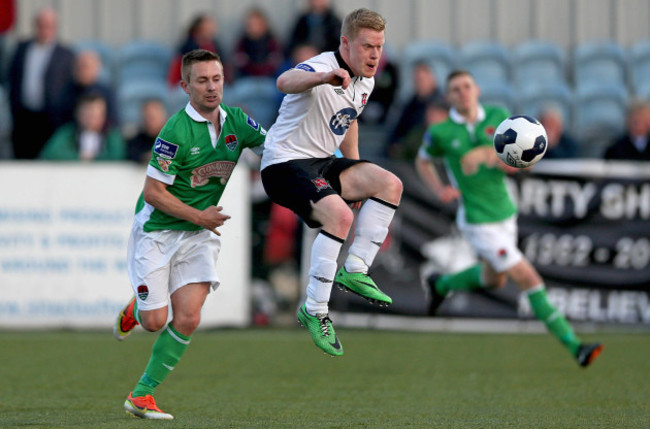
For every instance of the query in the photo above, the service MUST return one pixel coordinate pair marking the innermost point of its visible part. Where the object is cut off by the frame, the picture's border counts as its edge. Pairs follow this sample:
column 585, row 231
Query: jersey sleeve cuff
column 154, row 173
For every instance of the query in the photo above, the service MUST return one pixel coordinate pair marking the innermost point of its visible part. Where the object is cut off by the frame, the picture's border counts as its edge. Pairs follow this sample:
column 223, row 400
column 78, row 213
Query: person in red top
column 257, row 52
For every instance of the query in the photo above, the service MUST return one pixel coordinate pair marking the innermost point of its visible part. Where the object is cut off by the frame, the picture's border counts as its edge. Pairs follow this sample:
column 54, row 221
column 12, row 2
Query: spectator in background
column 560, row 143
column 412, row 115
column 383, row 96
column 7, row 18
column 88, row 137
column 436, row 111
column 318, row 26
column 633, row 144
column 86, row 80
column 40, row 71
column 257, row 52
column 153, row 118
column 201, row 34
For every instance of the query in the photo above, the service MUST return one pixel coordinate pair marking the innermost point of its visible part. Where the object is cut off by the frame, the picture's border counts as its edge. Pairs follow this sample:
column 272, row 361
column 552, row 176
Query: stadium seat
column 105, row 53
column 488, row 61
column 639, row 68
column 597, row 62
column 600, row 112
column 440, row 56
column 498, row 94
column 257, row 96
column 535, row 98
column 537, row 62
column 131, row 95
column 143, row 60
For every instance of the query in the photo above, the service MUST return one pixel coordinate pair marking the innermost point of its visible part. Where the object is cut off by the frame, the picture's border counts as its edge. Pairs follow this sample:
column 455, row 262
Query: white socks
column 371, row 231
column 324, row 255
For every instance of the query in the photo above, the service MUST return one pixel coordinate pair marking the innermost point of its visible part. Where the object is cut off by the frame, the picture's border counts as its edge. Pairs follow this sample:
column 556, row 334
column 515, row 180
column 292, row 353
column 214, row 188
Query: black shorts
column 295, row 184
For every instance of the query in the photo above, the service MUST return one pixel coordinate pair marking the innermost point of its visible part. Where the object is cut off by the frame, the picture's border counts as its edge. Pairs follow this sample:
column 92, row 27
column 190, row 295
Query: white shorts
column 161, row 262
column 495, row 242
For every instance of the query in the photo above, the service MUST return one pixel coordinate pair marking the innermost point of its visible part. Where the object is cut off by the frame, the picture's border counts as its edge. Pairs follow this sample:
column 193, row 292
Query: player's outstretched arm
column 295, row 81
column 444, row 192
column 156, row 194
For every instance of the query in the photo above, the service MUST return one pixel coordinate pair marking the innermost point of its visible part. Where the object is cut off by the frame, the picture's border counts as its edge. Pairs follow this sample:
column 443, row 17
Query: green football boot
column 362, row 285
column 321, row 330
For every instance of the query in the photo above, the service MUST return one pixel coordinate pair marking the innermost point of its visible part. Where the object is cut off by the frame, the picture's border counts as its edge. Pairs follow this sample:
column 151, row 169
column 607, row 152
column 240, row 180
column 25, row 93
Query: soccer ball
column 520, row 141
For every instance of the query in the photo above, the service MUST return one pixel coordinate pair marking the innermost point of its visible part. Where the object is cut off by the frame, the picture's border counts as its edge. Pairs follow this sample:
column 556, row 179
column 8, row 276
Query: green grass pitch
column 277, row 378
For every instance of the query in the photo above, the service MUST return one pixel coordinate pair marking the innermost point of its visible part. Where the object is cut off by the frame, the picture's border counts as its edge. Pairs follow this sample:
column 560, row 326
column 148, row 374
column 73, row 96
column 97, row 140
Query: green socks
column 467, row 279
column 553, row 319
column 167, row 351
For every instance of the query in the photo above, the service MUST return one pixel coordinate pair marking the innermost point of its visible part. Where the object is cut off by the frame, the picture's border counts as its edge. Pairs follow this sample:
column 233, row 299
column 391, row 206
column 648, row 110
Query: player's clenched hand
column 447, row 194
column 337, row 77
column 212, row 218
column 471, row 161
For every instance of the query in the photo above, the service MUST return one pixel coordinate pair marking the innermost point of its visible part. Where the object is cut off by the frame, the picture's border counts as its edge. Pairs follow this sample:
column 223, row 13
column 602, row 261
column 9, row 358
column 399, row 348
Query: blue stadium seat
column 440, row 56
column 600, row 111
column 257, row 96
column 639, row 68
column 105, row 53
column 131, row 95
column 535, row 98
column 143, row 60
column 488, row 61
column 597, row 62
column 537, row 62
column 499, row 94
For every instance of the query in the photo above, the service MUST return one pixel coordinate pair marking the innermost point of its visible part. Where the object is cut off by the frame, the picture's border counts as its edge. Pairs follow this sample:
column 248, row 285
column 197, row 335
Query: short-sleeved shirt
column 195, row 163
column 485, row 196
column 313, row 123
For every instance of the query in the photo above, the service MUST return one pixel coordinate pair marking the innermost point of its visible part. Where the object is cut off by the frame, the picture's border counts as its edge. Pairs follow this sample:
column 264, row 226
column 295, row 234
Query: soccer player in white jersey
column 325, row 95
column 174, row 243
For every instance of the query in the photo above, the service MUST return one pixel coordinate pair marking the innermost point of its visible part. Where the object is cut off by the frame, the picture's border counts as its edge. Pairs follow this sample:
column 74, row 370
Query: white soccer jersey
column 312, row 124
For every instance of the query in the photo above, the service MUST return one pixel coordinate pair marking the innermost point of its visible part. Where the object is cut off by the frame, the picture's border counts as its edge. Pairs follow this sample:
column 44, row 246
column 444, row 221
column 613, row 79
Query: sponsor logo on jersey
column 341, row 120
column 231, row 141
column 202, row 174
column 321, row 183
column 163, row 163
column 305, row 67
column 339, row 91
column 253, row 124
column 262, row 131
column 364, row 98
column 143, row 292
column 165, row 149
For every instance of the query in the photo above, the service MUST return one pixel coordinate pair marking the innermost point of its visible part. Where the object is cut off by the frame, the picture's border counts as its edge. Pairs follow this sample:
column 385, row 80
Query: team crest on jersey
column 165, row 149
column 143, row 292
column 202, row 174
column 305, row 67
column 489, row 131
column 231, row 141
column 163, row 163
column 321, row 183
column 364, row 98
column 252, row 123
column 341, row 120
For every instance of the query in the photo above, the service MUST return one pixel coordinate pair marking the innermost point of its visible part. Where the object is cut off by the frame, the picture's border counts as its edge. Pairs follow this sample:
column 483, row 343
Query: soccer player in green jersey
column 487, row 216
column 174, row 243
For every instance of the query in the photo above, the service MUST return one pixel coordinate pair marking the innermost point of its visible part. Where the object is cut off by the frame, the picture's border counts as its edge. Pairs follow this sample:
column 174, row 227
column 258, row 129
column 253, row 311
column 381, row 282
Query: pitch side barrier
column 63, row 236
column 585, row 225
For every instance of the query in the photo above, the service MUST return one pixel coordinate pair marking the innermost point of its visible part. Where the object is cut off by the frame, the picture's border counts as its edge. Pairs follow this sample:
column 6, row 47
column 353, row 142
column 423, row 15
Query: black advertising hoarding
column 584, row 224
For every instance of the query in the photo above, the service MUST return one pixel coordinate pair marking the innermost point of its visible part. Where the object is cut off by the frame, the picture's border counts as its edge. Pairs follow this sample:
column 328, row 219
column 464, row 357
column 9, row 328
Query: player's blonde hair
column 196, row 56
column 362, row 18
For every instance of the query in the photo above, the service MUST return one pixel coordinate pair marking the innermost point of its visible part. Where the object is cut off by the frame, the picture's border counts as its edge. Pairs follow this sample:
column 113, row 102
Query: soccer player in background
column 487, row 216
column 174, row 243
column 326, row 94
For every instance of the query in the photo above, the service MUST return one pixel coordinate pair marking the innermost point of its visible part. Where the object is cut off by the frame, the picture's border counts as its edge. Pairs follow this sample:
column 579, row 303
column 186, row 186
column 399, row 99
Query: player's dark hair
column 362, row 18
column 455, row 73
column 196, row 56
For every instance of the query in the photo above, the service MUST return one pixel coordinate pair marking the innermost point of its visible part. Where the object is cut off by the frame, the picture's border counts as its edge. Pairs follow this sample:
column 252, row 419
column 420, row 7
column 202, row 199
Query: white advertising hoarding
column 64, row 228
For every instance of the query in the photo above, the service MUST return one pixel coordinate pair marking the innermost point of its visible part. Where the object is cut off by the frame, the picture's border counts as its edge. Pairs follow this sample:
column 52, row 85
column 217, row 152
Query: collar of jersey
column 459, row 119
column 192, row 113
column 342, row 62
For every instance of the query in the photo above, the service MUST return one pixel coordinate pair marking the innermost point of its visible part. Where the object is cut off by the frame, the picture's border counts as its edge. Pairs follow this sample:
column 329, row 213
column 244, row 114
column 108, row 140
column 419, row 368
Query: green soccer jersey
column 195, row 163
column 485, row 197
